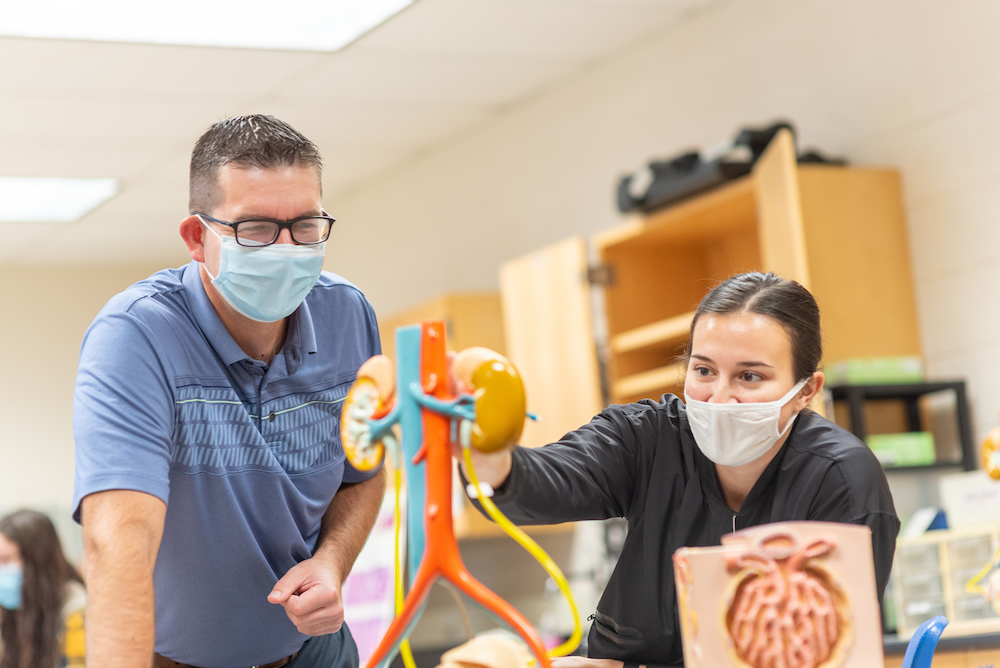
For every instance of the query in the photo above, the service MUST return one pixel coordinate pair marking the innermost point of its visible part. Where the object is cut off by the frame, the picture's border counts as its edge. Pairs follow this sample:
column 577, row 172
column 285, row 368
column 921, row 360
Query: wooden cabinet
column 983, row 658
column 548, row 324
column 471, row 319
column 840, row 231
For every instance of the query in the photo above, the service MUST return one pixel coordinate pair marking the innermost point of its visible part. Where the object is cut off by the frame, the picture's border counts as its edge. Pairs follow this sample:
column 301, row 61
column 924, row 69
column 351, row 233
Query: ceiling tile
column 138, row 225
column 411, row 124
column 526, row 28
column 107, row 68
column 46, row 156
column 54, row 115
column 402, row 76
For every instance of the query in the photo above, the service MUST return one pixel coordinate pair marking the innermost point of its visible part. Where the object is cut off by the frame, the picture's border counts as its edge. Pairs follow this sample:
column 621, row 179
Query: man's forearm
column 348, row 521
column 120, row 556
column 120, row 611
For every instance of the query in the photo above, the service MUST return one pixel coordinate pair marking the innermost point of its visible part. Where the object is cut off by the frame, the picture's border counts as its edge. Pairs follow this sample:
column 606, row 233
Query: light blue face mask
column 267, row 283
column 10, row 586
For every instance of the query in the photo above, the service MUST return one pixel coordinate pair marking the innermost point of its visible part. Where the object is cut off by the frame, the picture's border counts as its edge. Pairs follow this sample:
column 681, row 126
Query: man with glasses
column 220, row 516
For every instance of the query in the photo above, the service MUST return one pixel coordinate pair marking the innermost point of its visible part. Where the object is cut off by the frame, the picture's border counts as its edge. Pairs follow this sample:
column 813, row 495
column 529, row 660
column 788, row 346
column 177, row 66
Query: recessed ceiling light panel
column 51, row 200
column 310, row 25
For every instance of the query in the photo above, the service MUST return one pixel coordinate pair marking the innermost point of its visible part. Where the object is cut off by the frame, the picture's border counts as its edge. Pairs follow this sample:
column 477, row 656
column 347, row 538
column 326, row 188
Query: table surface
column 893, row 645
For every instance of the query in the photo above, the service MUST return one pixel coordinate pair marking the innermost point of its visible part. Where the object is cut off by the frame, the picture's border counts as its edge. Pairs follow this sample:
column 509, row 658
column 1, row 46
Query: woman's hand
column 492, row 468
column 584, row 662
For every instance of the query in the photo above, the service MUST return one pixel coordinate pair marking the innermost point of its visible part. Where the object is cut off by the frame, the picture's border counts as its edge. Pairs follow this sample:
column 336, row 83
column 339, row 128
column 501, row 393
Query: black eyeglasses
column 306, row 230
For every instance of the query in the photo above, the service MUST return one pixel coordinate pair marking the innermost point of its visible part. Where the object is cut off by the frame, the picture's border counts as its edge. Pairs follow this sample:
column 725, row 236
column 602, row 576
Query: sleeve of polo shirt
column 374, row 340
column 122, row 411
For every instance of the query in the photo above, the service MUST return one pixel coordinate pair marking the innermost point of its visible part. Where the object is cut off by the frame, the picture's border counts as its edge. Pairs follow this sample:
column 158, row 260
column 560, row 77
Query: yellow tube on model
column 536, row 551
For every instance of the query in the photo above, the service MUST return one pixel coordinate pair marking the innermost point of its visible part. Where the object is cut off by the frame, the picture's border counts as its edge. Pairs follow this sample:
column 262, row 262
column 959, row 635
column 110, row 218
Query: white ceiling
column 439, row 69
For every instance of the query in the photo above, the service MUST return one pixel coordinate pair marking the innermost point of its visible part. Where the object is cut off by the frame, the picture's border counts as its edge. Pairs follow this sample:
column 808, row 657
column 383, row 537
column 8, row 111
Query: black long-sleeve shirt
column 640, row 462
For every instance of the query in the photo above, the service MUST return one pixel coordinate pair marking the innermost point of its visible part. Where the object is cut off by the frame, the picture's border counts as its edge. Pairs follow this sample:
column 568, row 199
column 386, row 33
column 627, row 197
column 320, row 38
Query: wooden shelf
column 670, row 330
column 647, row 381
column 708, row 216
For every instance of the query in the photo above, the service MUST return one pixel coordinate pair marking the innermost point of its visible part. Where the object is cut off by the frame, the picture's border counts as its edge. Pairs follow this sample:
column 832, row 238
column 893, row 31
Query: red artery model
column 441, row 558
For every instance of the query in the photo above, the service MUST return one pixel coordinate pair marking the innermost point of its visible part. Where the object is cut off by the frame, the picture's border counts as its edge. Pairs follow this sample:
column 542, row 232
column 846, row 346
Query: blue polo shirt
column 247, row 456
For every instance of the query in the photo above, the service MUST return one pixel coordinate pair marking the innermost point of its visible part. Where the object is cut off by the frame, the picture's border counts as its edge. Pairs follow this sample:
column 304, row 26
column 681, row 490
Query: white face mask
column 734, row 434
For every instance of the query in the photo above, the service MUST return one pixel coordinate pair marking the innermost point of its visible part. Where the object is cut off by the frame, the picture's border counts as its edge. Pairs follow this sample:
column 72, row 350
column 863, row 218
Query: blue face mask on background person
column 266, row 283
column 10, row 586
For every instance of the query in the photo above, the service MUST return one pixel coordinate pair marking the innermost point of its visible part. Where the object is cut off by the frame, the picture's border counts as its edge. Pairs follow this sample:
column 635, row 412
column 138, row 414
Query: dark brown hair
column 246, row 141
column 779, row 298
column 30, row 635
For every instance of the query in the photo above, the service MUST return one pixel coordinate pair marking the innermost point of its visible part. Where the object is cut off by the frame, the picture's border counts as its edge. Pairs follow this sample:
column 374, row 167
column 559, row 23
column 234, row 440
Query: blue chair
column 920, row 649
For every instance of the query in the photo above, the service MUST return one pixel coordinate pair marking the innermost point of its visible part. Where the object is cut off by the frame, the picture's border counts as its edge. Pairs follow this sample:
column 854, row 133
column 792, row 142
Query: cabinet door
column 548, row 328
column 951, row 659
column 984, row 658
column 779, row 210
column 859, row 265
column 471, row 318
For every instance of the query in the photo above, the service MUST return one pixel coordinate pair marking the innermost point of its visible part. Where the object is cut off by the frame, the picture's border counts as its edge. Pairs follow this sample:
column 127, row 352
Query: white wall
column 45, row 313
column 909, row 83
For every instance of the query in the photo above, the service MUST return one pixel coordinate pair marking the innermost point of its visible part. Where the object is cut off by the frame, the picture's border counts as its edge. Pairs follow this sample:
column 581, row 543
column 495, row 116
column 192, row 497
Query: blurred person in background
column 42, row 599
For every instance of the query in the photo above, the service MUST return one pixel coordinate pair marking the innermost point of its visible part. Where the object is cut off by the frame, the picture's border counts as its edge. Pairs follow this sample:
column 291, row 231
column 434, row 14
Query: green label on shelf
column 913, row 448
column 875, row 371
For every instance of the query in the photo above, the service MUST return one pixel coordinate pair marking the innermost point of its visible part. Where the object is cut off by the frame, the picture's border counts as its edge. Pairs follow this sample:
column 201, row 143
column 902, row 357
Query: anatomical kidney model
column 783, row 595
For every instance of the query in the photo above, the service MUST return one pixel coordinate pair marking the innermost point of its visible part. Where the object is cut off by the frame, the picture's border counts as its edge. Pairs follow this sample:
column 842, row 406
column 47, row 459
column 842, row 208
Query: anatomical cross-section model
column 784, row 595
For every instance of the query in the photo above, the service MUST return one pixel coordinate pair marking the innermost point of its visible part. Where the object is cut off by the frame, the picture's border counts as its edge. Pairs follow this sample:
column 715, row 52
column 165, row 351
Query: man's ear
column 193, row 233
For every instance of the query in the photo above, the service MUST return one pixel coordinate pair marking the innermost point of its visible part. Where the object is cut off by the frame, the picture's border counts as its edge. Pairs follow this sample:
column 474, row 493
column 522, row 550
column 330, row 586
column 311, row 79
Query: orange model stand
column 438, row 408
